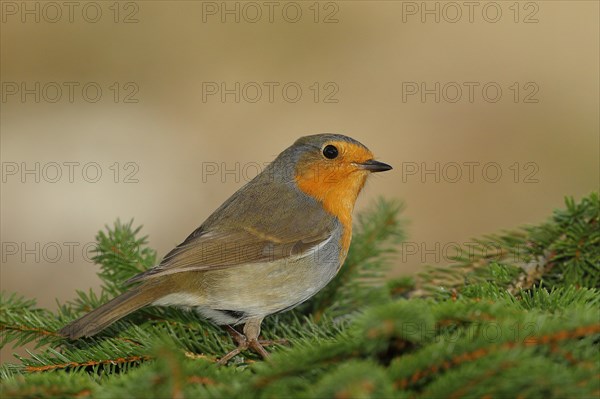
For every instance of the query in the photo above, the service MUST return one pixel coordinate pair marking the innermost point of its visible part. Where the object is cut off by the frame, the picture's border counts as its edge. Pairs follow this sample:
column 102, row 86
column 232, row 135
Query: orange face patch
column 336, row 182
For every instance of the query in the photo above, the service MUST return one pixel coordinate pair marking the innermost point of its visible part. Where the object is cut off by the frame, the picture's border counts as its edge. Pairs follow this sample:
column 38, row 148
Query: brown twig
column 548, row 339
column 120, row 360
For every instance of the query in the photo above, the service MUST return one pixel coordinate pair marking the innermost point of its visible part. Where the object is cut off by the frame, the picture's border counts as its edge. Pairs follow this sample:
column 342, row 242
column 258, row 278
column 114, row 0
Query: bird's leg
column 252, row 331
column 237, row 336
column 248, row 340
column 242, row 345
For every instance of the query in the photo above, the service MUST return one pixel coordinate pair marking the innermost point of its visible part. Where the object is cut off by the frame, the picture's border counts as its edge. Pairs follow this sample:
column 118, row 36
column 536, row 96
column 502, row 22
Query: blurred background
column 158, row 111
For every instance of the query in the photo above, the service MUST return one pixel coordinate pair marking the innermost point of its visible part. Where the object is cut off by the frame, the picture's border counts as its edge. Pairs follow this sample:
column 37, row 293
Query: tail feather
column 119, row 307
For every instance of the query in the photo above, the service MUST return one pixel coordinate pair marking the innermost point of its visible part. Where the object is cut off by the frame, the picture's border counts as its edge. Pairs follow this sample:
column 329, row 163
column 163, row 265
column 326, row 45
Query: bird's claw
column 255, row 345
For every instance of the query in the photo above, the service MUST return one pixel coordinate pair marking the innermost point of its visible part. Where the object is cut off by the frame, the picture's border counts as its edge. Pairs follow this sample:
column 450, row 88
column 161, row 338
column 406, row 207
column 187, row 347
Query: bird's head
column 333, row 169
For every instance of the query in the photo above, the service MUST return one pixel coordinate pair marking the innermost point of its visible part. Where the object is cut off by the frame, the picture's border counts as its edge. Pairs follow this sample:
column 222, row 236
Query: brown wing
column 218, row 250
column 245, row 232
column 266, row 220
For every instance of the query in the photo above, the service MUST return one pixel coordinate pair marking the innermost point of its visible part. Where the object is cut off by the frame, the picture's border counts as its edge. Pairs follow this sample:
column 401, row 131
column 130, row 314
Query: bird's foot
column 244, row 343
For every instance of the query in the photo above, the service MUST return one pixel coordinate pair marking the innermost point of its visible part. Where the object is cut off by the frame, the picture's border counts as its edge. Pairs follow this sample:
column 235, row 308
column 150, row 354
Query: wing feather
column 242, row 235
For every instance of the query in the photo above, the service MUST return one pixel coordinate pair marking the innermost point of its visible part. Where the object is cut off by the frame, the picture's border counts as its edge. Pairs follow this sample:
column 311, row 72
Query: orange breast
column 337, row 189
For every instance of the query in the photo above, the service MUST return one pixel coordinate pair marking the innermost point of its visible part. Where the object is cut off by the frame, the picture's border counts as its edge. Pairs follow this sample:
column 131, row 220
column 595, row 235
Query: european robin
column 272, row 245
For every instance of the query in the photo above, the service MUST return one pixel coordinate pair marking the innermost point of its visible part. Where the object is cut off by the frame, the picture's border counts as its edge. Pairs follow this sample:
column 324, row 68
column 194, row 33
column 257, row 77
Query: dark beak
column 374, row 166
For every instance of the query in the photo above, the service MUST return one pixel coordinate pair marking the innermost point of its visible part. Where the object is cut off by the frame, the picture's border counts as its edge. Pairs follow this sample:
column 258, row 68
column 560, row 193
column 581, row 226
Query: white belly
column 234, row 294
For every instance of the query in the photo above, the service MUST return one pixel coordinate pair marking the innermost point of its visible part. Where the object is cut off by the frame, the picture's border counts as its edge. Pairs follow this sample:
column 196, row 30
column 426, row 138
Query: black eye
column 330, row 151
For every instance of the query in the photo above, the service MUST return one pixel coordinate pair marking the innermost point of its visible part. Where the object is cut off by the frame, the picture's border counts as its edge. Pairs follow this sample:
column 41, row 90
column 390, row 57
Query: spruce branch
column 565, row 249
column 22, row 322
column 121, row 255
column 498, row 327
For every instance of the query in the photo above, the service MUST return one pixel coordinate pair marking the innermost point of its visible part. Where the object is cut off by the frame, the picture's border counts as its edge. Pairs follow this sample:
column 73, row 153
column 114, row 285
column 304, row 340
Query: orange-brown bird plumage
column 272, row 245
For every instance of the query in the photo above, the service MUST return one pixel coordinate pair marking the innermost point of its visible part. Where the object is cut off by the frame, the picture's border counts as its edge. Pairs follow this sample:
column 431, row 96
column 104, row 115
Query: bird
column 275, row 243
